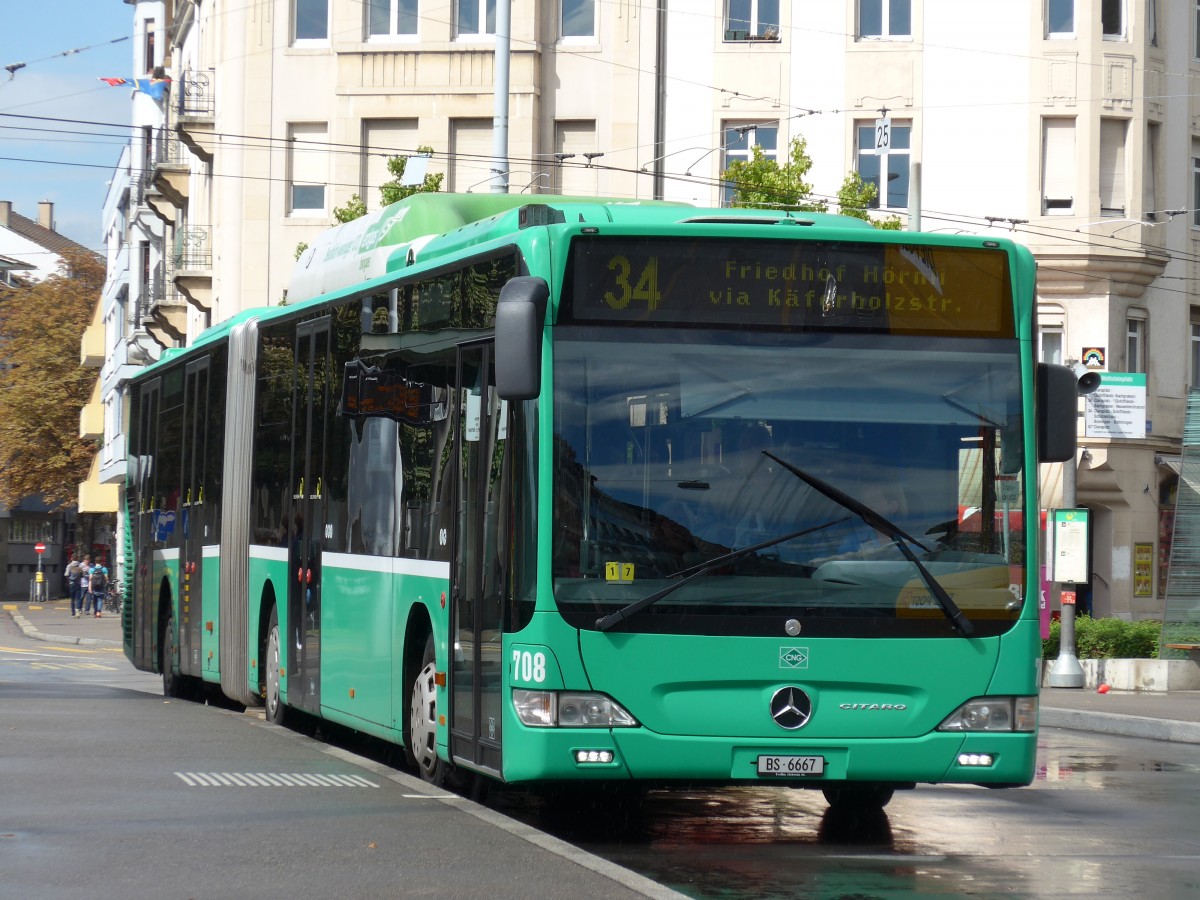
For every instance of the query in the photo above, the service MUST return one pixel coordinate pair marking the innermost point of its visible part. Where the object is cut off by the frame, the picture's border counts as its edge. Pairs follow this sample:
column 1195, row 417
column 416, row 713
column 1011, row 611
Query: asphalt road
column 109, row 790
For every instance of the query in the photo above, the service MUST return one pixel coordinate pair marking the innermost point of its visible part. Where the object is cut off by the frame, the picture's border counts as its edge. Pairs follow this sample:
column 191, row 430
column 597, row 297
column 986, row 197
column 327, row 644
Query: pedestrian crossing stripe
column 271, row 779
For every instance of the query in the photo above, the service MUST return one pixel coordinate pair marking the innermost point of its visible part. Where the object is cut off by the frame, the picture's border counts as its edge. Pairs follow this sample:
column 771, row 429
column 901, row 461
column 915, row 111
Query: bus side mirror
column 520, row 318
column 1057, row 398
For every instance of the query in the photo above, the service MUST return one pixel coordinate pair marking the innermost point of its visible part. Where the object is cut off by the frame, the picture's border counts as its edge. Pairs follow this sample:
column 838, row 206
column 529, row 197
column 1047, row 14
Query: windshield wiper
column 606, row 623
column 898, row 536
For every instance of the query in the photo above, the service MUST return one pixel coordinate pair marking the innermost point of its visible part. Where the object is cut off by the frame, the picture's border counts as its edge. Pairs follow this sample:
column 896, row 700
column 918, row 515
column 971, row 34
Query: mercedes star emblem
column 791, row 708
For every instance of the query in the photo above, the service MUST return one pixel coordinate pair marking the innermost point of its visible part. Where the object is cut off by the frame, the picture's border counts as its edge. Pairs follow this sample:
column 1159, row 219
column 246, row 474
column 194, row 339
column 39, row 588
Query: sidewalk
column 51, row 621
column 1165, row 716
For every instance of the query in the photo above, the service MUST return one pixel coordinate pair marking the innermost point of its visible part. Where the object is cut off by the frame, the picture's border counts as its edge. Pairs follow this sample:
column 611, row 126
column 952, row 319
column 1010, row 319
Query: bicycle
column 114, row 596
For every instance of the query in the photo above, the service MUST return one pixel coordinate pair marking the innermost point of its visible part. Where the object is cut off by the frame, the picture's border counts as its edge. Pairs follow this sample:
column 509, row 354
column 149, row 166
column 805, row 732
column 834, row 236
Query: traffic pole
column 1066, row 671
column 39, row 592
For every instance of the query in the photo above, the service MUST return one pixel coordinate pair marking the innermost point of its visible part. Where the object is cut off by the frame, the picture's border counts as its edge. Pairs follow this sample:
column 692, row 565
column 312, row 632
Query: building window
column 1196, row 31
column 310, row 20
column 1050, row 348
column 1060, row 18
column 747, row 20
column 148, row 53
column 1150, row 166
column 884, row 18
column 578, row 18
column 383, row 139
column 572, row 175
column 143, row 281
column 1194, row 356
column 1112, row 166
column 1058, row 167
column 1152, row 22
column 307, row 152
column 1195, row 189
column 470, row 154
column 1112, row 19
column 391, row 18
column 474, row 17
column 1135, row 345
column 739, row 143
column 886, row 167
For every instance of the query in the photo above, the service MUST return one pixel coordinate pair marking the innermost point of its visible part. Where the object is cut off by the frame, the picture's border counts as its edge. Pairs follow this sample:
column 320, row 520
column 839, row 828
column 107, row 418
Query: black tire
column 421, row 728
column 864, row 797
column 172, row 684
column 276, row 711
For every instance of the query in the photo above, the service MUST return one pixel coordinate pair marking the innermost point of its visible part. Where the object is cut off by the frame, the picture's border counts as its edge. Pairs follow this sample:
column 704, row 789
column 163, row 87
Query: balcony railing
column 167, row 149
column 158, row 291
column 196, row 93
column 139, row 183
column 193, row 249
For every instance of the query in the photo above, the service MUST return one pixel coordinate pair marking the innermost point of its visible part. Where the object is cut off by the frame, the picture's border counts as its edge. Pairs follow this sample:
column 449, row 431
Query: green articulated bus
column 571, row 489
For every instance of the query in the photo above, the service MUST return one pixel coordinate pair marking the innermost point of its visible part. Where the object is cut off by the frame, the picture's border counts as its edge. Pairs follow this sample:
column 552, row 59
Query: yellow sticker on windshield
column 618, row 572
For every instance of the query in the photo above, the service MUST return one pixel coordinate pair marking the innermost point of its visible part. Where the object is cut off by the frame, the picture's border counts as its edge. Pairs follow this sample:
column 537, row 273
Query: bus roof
column 427, row 226
column 436, row 224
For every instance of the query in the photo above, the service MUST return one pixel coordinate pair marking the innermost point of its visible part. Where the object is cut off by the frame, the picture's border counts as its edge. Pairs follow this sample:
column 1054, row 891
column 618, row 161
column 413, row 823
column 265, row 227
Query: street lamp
column 1067, row 671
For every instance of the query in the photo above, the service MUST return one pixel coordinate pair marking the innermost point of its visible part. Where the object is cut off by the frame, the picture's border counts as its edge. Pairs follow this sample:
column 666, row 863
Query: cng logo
column 793, row 657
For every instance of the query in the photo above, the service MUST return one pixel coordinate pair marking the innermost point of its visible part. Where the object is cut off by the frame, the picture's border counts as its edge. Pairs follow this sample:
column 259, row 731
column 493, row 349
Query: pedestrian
column 74, row 583
column 98, row 584
column 85, row 592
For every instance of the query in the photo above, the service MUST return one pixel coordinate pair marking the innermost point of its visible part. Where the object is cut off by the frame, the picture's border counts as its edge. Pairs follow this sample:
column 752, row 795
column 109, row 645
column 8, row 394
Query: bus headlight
column 570, row 709
column 994, row 714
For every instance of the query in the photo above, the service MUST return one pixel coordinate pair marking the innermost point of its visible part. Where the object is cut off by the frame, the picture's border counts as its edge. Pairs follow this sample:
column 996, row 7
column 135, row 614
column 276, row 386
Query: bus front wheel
column 276, row 712
column 422, row 722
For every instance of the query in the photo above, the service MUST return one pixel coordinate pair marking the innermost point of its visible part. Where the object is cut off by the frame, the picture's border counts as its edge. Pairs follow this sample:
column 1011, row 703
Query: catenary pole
column 500, row 104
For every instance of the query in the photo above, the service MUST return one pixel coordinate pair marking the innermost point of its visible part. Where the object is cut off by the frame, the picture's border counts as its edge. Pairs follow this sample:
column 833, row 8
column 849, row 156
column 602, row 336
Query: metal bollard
column 1066, row 671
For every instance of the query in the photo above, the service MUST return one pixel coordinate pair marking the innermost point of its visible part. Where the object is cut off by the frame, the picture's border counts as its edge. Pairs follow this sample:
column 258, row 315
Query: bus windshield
column 676, row 447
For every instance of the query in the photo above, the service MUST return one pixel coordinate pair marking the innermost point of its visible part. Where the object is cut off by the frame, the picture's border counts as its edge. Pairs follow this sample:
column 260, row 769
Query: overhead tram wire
column 273, row 143
column 14, row 67
column 697, row 180
column 270, row 143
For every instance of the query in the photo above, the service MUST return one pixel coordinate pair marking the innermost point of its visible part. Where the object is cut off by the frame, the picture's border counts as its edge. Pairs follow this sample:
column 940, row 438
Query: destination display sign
column 795, row 285
column 371, row 391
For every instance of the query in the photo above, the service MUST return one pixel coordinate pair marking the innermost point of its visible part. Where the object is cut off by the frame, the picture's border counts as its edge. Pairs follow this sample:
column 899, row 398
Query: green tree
column 764, row 183
column 389, row 192
column 392, row 191
column 855, row 197
column 42, row 386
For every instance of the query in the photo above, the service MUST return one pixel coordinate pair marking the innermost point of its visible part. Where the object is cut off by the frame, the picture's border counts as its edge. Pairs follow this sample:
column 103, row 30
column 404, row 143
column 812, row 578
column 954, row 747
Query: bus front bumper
column 1001, row 758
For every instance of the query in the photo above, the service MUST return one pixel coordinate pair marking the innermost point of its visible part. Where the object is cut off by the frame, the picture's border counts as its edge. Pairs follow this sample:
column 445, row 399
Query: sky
column 67, row 46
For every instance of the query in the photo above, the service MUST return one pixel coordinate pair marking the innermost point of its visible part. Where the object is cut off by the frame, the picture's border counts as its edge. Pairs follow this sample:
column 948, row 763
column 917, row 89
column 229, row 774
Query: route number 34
column 529, row 666
column 642, row 286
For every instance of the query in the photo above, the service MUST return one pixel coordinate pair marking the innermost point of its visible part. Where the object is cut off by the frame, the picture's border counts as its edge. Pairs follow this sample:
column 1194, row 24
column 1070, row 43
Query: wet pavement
column 1111, row 812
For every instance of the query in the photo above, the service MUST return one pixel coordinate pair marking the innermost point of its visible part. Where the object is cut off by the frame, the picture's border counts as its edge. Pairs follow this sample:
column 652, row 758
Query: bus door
column 310, row 420
column 477, row 574
column 191, row 513
column 144, row 519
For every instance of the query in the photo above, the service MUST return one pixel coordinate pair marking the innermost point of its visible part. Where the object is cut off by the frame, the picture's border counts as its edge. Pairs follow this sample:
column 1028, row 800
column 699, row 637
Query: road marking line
column 71, row 665
column 42, row 653
column 276, row 779
column 54, row 647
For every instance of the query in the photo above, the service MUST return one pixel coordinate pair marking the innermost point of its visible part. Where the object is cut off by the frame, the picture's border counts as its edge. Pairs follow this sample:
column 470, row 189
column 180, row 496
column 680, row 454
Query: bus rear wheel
column 863, row 797
column 275, row 711
column 422, row 720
